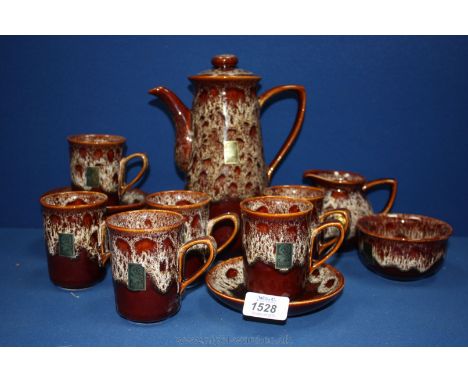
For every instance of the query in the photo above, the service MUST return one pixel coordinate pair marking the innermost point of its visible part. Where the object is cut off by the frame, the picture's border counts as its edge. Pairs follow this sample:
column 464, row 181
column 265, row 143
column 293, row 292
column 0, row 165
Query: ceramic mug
column 278, row 239
column 97, row 164
column 346, row 189
column 314, row 195
column 195, row 208
column 71, row 229
column 147, row 250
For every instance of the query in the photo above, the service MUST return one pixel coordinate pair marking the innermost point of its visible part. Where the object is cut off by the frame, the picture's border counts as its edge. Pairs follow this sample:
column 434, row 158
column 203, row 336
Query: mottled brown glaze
column 345, row 189
column 315, row 196
column 278, row 240
column 219, row 141
column 224, row 229
column 133, row 199
column 226, row 281
column 195, row 208
column 78, row 215
column 101, row 155
column 402, row 246
column 152, row 242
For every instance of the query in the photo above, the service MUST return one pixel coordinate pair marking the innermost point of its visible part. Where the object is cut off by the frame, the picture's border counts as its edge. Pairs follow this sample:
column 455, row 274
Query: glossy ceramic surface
column 97, row 163
column 226, row 282
column 402, row 246
column 71, row 230
column 314, row 195
column 278, row 237
column 344, row 189
column 219, row 140
column 194, row 207
column 133, row 199
column 147, row 250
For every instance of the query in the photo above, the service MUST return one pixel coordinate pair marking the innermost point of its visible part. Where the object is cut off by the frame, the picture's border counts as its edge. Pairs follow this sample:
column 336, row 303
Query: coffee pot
column 218, row 142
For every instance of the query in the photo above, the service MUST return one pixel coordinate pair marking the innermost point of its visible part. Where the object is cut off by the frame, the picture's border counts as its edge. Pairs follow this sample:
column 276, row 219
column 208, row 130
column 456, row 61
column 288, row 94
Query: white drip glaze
column 151, row 260
column 82, row 157
column 133, row 197
column 323, row 278
column 85, row 236
column 277, row 206
column 230, row 275
column 261, row 246
column 225, row 284
column 195, row 218
column 355, row 202
column 215, row 121
column 156, row 251
column 420, row 260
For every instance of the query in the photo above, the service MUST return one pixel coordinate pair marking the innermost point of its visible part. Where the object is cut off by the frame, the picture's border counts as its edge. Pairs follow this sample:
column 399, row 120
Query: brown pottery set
column 71, row 228
column 226, row 282
column 97, row 164
column 344, row 189
column 286, row 232
column 195, row 208
column 147, row 250
column 402, row 246
column 278, row 236
column 219, row 141
column 314, row 195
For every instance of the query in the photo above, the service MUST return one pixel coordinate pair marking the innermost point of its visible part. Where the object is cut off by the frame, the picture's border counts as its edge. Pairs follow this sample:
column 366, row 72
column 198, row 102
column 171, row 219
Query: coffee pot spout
column 181, row 116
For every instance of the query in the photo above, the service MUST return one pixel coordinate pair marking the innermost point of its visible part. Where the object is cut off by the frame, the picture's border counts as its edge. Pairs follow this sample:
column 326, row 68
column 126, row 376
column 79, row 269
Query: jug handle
column 385, row 181
column 300, row 90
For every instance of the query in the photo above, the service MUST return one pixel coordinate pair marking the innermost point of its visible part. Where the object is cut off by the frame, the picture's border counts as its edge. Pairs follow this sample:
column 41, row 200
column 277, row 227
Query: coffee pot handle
column 124, row 187
column 297, row 123
column 384, row 181
column 210, row 242
column 227, row 216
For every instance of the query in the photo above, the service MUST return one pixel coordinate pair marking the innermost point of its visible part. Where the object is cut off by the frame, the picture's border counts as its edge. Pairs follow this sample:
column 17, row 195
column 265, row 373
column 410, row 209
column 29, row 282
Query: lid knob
column 224, row 61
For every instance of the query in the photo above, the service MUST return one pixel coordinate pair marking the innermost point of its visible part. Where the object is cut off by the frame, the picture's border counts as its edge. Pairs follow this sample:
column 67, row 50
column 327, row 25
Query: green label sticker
column 136, row 277
column 66, row 245
column 231, row 152
column 92, row 177
column 284, row 253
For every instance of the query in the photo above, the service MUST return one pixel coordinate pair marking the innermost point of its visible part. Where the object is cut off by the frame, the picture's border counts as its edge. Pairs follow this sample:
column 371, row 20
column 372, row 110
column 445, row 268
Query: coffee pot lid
column 225, row 67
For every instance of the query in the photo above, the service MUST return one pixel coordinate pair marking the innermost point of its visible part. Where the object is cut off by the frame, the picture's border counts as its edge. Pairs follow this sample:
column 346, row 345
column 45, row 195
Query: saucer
column 226, row 282
column 133, row 199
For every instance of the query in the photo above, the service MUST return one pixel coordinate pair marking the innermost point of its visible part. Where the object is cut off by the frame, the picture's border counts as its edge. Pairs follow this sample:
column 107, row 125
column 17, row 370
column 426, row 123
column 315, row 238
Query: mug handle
column 343, row 218
column 333, row 249
column 262, row 99
column 227, row 216
column 384, row 181
column 124, row 187
column 104, row 253
column 210, row 242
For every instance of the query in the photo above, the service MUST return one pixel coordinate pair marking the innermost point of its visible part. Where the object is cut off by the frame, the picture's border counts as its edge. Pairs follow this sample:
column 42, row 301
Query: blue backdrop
column 381, row 106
